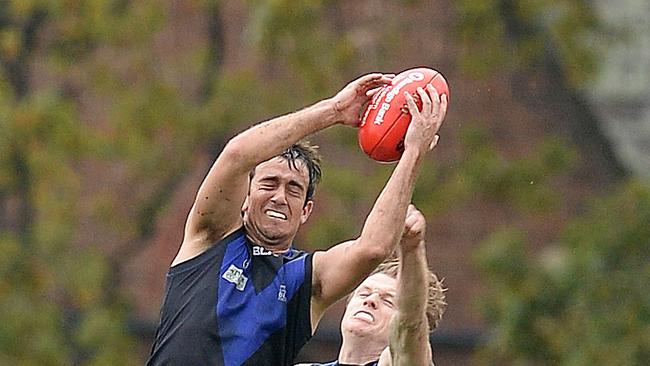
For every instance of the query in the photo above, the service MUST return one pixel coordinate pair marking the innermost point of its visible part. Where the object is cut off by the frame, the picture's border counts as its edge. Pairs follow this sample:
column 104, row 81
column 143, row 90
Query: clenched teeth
column 364, row 316
column 276, row 214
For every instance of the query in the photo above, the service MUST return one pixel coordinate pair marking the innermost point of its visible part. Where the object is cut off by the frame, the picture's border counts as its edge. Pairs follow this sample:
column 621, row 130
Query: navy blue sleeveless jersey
column 235, row 304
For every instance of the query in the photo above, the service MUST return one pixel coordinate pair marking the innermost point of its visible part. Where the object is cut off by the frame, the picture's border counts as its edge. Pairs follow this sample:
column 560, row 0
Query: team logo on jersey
column 257, row 250
column 236, row 276
column 282, row 293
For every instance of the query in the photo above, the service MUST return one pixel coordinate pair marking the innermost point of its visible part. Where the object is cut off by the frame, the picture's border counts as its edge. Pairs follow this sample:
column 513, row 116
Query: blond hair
column 435, row 291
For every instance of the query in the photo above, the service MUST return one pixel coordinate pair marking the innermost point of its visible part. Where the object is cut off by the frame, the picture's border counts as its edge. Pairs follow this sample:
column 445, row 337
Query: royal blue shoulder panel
column 247, row 316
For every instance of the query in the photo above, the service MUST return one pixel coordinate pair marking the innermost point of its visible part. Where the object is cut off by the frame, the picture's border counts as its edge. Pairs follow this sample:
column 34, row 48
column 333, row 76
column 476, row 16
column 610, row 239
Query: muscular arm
column 216, row 209
column 409, row 335
column 340, row 269
column 409, row 332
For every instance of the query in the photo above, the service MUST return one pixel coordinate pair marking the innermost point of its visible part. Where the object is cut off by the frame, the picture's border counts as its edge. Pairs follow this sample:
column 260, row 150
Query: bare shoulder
column 194, row 245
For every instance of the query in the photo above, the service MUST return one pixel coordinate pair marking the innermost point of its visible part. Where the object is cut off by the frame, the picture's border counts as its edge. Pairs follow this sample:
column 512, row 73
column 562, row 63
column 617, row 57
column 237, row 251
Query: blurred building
column 621, row 93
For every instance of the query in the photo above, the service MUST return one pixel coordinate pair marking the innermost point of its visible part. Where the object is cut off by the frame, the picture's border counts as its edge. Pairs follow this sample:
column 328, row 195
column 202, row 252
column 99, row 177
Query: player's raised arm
column 217, row 207
column 341, row 268
column 409, row 328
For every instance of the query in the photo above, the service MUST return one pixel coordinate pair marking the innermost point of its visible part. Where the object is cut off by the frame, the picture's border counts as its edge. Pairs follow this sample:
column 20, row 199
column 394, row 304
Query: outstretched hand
column 425, row 123
column 351, row 100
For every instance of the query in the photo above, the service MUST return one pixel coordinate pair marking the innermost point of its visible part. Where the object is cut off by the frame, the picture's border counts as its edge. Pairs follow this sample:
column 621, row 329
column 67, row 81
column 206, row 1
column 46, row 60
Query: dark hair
column 303, row 150
column 308, row 153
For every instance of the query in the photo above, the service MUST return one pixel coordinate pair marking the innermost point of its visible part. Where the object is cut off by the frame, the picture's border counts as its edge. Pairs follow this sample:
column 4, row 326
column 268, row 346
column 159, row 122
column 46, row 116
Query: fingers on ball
column 426, row 101
column 410, row 101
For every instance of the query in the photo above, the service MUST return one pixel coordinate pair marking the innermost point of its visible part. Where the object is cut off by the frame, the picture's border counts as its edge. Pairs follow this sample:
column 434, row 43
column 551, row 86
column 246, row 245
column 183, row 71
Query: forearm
column 409, row 341
column 383, row 227
column 341, row 268
column 413, row 273
column 268, row 139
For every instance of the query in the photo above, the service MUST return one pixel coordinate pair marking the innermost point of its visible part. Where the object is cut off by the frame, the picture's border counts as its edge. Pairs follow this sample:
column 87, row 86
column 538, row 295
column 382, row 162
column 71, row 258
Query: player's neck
column 276, row 246
column 360, row 351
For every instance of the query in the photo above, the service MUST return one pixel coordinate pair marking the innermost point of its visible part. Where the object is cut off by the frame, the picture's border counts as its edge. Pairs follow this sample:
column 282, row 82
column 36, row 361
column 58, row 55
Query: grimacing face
column 370, row 308
column 275, row 207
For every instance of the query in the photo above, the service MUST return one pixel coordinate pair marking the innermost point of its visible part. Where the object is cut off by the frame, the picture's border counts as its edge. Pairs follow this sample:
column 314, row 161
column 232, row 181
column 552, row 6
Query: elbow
column 237, row 151
column 234, row 149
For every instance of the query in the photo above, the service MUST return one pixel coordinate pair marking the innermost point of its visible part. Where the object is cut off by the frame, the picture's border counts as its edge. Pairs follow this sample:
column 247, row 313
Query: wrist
column 413, row 152
column 331, row 114
column 412, row 157
column 412, row 244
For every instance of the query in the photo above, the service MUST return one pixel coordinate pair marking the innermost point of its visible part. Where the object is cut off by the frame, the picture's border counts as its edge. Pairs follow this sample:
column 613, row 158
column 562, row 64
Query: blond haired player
column 389, row 316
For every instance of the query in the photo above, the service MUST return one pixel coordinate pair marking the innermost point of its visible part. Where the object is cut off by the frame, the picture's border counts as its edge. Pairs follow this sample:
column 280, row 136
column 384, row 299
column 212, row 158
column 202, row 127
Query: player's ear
column 306, row 211
column 244, row 206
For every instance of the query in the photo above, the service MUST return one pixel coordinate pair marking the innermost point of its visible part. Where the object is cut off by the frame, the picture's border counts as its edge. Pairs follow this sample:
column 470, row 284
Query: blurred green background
column 537, row 197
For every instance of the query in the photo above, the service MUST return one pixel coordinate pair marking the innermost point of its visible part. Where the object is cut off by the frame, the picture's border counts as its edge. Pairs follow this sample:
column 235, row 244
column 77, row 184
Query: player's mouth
column 276, row 215
column 365, row 316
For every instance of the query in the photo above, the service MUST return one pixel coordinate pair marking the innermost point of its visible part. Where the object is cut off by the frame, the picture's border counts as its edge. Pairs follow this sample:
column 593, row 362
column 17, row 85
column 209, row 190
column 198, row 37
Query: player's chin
column 360, row 323
column 362, row 330
column 275, row 233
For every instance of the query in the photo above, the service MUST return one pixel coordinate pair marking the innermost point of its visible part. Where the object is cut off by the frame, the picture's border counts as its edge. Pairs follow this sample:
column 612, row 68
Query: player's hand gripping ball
column 386, row 119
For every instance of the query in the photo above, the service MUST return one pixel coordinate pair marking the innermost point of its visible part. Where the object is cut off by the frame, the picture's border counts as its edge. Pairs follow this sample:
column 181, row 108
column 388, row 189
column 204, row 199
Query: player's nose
column 279, row 197
column 370, row 302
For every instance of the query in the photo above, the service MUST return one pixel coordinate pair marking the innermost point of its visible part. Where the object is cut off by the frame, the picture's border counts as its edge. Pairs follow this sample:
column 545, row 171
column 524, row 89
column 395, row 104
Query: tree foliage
column 584, row 301
column 524, row 34
column 60, row 294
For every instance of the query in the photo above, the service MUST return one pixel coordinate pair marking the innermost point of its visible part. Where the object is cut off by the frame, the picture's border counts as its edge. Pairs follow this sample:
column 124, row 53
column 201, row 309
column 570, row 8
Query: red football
column 385, row 121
